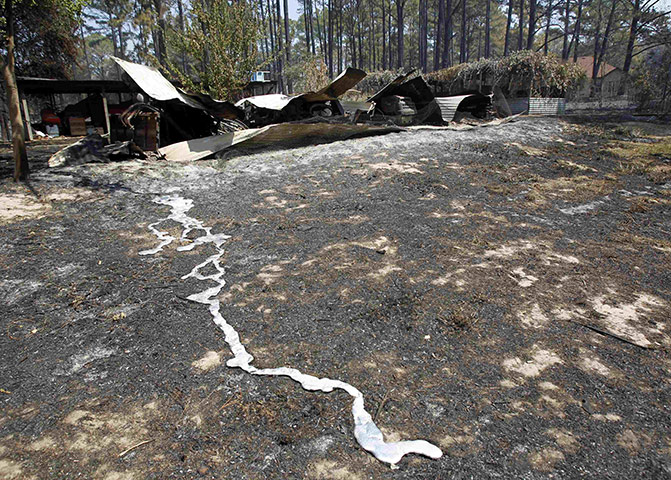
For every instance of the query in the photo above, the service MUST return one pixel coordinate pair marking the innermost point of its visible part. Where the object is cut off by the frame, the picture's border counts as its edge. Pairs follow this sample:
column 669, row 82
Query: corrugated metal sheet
column 272, row 101
column 285, row 134
column 154, row 84
column 449, row 105
column 390, row 88
column 276, row 101
column 547, row 106
column 346, row 80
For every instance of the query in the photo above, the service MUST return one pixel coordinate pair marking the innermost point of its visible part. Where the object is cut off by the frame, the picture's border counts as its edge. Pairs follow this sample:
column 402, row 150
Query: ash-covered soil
column 503, row 293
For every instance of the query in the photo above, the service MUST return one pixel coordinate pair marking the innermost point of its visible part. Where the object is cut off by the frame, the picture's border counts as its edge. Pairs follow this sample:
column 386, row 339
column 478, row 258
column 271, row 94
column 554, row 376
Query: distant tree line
column 369, row 34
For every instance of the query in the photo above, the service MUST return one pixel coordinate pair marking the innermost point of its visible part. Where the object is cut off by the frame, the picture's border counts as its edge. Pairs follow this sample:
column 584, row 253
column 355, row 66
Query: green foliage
column 99, row 49
column 541, row 75
column 375, row 81
column 652, row 79
column 222, row 41
column 310, row 75
column 46, row 44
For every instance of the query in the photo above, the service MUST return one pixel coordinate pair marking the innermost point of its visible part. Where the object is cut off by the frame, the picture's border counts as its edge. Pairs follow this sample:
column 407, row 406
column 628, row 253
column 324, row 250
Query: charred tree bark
column 341, row 54
column 423, row 35
column 520, row 38
column 598, row 57
column 180, row 17
column 400, row 4
column 373, row 47
column 21, row 166
column 506, row 42
column 532, row 25
column 271, row 34
column 439, row 34
column 447, row 44
column 85, row 51
column 306, row 25
column 463, row 57
column 280, row 46
column 330, row 38
column 576, row 32
column 390, row 43
column 312, row 29
column 633, row 31
column 321, row 35
column 160, row 31
column 548, row 21
column 488, row 14
column 287, row 37
column 565, row 46
column 384, row 35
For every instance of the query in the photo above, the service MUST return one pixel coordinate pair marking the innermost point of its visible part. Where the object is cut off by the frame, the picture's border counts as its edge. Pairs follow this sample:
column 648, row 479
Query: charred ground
column 458, row 279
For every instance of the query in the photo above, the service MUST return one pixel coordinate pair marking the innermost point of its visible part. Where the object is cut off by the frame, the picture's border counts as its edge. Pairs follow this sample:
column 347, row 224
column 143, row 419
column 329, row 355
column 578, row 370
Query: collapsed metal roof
column 153, row 83
column 276, row 101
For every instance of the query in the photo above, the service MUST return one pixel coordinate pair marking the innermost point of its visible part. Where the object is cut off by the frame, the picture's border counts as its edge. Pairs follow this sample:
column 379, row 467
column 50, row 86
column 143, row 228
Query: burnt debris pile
column 164, row 120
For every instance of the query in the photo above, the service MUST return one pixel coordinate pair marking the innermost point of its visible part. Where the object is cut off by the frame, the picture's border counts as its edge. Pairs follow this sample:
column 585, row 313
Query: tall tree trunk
column 439, row 34
column 280, row 46
column 271, row 34
column 390, row 43
column 287, row 37
column 306, row 26
column 340, row 39
column 463, row 56
column 488, row 14
column 321, row 35
column 576, row 32
column 606, row 35
column 330, row 38
column 205, row 62
column 547, row 27
column 312, row 29
column 161, row 53
column 399, row 30
column 21, row 166
column 509, row 20
column 595, row 53
column 532, row 25
column 352, row 44
column 115, row 49
column 447, row 44
column 384, row 35
column 520, row 38
column 180, row 17
column 373, row 46
column 567, row 13
column 122, row 50
column 359, row 37
column 633, row 30
column 264, row 45
column 423, row 35
column 85, row 50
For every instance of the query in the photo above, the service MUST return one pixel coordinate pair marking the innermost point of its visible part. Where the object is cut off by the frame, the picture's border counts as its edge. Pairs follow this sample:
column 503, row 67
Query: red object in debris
column 50, row 117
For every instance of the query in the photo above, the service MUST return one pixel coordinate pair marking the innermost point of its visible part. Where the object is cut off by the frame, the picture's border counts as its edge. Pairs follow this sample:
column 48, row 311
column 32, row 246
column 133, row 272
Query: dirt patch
column 17, row 205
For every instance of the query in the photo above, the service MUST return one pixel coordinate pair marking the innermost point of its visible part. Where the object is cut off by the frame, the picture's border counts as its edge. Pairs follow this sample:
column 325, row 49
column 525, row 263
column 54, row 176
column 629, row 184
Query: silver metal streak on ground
column 366, row 432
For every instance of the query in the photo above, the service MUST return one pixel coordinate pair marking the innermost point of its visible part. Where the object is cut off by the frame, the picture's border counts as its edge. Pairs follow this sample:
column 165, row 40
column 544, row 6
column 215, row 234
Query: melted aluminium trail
column 366, row 432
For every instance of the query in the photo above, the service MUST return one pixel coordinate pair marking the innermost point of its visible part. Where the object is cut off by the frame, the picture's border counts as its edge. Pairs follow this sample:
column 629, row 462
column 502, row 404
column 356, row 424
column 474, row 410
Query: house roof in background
column 587, row 64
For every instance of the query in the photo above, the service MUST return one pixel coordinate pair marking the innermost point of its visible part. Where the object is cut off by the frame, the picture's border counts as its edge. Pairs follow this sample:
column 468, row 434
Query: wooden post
column 107, row 120
column 26, row 120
